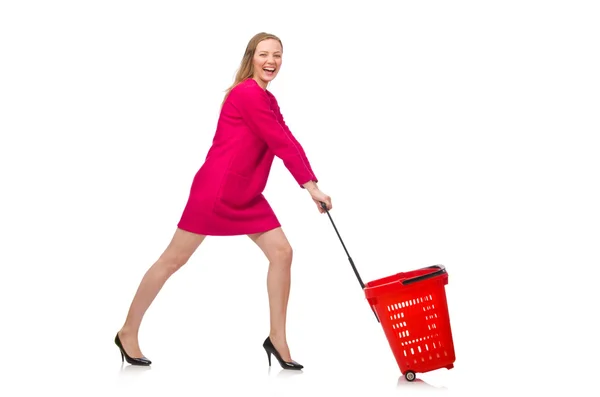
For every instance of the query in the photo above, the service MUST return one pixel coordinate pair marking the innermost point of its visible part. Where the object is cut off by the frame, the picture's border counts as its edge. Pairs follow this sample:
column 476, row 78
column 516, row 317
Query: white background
column 459, row 133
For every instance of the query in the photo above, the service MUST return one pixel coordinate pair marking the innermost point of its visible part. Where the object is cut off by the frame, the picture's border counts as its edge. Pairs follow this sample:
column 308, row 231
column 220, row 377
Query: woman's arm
column 316, row 194
column 277, row 111
column 254, row 105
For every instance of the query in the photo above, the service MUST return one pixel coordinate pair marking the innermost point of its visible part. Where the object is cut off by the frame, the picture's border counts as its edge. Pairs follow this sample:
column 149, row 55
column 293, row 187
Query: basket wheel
column 410, row 376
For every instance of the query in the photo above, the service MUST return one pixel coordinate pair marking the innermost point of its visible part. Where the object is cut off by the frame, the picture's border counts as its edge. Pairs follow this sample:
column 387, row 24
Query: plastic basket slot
column 398, row 325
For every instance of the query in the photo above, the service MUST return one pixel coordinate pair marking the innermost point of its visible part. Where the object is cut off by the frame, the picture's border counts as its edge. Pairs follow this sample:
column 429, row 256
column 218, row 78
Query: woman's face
column 267, row 61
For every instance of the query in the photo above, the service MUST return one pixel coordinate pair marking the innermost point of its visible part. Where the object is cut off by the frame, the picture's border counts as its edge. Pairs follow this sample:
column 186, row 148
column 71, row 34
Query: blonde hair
column 246, row 68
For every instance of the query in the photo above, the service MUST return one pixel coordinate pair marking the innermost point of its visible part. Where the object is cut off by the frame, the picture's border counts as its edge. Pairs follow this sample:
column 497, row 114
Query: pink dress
column 226, row 194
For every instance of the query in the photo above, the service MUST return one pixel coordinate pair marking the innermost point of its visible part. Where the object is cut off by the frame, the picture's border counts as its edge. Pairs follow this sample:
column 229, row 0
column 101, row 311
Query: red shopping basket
column 413, row 312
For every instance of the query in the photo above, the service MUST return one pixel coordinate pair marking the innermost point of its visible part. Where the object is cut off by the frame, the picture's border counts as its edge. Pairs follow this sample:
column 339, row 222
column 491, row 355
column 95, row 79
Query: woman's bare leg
column 177, row 253
column 278, row 251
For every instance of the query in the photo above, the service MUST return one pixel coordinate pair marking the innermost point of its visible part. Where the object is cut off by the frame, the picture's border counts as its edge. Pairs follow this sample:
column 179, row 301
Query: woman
column 226, row 196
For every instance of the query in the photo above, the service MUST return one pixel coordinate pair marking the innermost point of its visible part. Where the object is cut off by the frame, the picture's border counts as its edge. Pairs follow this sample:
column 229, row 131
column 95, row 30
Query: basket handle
column 441, row 270
column 362, row 285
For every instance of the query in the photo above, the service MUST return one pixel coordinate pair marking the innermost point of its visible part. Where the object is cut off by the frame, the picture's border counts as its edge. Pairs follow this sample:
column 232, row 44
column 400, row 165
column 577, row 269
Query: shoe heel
column 126, row 357
column 270, row 349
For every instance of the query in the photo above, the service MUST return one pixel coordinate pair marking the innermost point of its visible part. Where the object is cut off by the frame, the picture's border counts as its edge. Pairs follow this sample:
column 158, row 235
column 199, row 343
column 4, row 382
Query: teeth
column 269, row 70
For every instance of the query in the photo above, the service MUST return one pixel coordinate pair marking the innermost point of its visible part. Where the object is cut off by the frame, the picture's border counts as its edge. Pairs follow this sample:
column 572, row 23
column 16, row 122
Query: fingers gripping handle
column 362, row 285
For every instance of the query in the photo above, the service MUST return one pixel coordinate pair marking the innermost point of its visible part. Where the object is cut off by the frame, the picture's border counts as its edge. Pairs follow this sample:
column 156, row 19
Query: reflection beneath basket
column 133, row 370
column 285, row 373
column 417, row 384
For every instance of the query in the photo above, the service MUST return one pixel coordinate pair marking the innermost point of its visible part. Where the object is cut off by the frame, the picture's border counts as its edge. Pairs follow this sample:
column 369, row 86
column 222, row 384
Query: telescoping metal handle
column 441, row 270
column 362, row 285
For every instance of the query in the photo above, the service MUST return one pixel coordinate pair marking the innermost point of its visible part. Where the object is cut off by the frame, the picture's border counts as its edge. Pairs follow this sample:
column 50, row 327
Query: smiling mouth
column 271, row 70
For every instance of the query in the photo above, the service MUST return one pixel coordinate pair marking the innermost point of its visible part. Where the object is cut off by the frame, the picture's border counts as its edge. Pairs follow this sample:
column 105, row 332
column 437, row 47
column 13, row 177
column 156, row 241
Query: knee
column 172, row 263
column 283, row 254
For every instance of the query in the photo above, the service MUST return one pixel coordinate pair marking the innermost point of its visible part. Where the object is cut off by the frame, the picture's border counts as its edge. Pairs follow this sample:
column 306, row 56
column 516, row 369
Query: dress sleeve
column 277, row 111
column 254, row 105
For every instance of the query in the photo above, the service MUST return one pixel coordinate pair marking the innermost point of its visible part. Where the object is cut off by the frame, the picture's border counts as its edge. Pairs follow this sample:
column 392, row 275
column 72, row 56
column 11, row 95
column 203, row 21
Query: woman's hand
column 318, row 196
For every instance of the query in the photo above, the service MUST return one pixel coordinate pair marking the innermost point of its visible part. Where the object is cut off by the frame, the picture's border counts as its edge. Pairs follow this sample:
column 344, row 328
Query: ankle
column 128, row 332
column 277, row 337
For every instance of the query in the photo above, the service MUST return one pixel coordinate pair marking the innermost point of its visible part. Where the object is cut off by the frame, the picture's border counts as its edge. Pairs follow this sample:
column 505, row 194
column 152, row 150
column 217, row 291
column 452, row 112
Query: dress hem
column 228, row 234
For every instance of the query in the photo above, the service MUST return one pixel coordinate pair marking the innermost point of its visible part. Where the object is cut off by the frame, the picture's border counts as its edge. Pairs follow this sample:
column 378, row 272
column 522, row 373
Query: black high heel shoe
column 270, row 349
column 125, row 356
